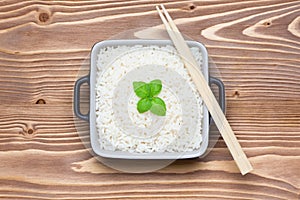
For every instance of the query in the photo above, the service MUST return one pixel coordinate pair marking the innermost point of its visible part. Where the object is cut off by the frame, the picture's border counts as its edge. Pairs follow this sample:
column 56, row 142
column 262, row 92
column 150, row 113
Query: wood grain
column 45, row 44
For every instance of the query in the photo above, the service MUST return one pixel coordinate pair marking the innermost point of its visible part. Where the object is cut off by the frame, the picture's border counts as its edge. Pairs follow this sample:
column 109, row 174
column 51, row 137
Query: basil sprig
column 149, row 101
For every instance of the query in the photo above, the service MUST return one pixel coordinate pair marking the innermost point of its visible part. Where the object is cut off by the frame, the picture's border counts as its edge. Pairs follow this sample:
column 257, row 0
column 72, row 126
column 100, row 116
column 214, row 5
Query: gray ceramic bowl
column 91, row 116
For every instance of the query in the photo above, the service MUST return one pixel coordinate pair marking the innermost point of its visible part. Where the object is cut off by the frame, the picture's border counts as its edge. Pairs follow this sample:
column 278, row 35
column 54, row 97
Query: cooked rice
column 120, row 126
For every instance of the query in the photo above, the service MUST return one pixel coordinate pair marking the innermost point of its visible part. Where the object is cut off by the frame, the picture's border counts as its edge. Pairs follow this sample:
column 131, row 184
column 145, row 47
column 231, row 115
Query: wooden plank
column 45, row 44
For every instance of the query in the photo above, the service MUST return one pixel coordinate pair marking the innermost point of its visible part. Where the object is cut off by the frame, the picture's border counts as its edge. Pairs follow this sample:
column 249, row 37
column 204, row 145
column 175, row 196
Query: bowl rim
column 92, row 115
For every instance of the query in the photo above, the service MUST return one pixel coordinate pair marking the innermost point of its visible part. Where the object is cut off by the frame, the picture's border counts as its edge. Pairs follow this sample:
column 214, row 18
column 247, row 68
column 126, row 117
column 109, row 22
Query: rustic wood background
column 43, row 44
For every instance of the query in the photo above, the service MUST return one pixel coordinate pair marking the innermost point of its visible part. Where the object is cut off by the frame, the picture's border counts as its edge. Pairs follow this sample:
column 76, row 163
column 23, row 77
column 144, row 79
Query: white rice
column 121, row 127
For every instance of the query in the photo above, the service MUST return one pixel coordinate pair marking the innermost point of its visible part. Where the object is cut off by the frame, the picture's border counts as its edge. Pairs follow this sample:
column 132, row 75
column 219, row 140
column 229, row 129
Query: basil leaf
column 144, row 105
column 149, row 101
column 158, row 106
column 141, row 89
column 155, row 87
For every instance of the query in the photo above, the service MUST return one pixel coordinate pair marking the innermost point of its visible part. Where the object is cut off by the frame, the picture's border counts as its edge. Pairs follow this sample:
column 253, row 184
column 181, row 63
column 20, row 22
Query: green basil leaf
column 158, row 106
column 155, row 87
column 141, row 89
column 144, row 105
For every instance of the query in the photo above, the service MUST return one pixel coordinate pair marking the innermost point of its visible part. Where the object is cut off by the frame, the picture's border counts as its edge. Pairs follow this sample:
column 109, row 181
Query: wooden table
column 43, row 44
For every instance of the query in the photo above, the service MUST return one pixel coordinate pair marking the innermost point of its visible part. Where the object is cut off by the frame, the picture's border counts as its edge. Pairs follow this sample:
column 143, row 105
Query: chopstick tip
column 160, row 6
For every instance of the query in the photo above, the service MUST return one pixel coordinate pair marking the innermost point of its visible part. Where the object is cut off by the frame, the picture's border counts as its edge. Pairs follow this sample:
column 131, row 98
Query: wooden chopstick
column 208, row 97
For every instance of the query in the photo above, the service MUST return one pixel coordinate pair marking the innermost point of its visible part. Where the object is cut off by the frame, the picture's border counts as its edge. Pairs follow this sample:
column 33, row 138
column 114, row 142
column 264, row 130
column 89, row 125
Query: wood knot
column 28, row 132
column 236, row 94
column 43, row 16
column 267, row 23
column 192, row 7
column 40, row 101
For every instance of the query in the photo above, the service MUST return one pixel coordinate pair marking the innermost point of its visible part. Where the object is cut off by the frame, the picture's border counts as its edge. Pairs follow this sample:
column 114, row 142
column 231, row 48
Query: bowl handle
column 78, row 83
column 222, row 96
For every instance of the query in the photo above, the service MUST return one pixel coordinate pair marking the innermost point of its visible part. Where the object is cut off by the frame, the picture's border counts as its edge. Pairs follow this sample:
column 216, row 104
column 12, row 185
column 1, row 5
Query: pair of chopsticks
column 205, row 92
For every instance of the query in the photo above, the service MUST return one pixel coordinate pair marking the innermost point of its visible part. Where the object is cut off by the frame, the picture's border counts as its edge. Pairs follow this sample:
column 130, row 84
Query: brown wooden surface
column 43, row 44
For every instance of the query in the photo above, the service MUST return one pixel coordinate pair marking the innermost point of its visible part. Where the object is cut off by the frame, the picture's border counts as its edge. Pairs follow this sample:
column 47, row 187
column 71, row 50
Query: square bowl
column 91, row 117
